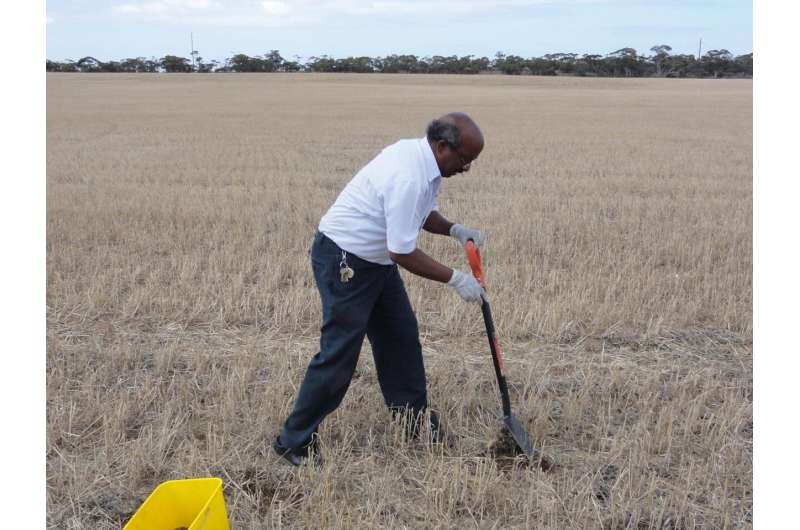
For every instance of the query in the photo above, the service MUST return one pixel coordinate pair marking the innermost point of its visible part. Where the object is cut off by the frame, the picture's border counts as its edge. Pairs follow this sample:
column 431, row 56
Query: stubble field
column 181, row 310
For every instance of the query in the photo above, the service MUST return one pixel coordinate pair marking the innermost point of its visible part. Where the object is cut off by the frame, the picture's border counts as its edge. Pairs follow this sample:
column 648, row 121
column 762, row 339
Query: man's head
column 456, row 142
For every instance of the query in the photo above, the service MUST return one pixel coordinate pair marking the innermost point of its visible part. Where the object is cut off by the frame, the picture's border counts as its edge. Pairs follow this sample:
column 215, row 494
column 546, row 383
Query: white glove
column 463, row 234
column 466, row 286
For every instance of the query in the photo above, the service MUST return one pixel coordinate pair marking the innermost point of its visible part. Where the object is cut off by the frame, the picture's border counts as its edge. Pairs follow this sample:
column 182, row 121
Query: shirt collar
column 431, row 167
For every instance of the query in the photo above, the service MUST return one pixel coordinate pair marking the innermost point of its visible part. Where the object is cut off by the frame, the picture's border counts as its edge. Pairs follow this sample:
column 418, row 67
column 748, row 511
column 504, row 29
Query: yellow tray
column 192, row 504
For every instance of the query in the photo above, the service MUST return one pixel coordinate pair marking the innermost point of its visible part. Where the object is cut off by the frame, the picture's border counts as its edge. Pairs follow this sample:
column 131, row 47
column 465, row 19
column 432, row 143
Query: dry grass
column 182, row 311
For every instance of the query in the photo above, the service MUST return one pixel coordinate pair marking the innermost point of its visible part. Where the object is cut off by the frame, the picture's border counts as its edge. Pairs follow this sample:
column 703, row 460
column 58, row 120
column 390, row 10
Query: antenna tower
column 192, row 52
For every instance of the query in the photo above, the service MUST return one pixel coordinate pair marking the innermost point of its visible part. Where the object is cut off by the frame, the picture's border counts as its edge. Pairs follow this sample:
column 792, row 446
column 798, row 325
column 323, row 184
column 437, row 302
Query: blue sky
column 116, row 29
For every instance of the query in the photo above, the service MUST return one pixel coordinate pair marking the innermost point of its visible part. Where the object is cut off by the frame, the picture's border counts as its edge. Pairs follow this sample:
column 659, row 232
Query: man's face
column 456, row 160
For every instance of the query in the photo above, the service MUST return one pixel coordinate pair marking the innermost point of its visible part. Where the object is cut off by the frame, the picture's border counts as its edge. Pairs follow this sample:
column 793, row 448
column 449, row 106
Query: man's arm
column 437, row 224
column 419, row 263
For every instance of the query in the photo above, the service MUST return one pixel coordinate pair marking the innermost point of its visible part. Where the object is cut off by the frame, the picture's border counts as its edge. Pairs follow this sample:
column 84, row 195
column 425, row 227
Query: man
column 370, row 229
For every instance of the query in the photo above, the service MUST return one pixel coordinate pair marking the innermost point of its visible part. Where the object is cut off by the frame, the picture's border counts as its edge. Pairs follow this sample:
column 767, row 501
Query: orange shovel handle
column 474, row 258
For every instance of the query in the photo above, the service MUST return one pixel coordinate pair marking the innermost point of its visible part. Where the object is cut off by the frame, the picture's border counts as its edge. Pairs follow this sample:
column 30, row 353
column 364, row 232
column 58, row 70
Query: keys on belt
column 345, row 272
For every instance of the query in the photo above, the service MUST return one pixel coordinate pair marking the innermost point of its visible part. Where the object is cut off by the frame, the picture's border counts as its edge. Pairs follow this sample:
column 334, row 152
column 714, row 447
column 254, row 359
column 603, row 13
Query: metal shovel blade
column 524, row 443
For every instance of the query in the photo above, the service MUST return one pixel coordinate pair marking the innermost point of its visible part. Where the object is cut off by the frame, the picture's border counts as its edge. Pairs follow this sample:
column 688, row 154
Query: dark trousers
column 373, row 303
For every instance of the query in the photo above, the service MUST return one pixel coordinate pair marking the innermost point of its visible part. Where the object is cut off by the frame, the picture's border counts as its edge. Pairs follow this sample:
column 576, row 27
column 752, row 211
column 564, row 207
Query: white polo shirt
column 382, row 209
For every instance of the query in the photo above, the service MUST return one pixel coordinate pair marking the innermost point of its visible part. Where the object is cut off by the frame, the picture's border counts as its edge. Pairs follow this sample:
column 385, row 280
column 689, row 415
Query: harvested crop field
column 181, row 308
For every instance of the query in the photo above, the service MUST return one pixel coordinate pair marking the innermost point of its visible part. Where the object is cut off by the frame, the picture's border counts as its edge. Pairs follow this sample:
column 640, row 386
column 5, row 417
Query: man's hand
column 464, row 234
column 466, row 286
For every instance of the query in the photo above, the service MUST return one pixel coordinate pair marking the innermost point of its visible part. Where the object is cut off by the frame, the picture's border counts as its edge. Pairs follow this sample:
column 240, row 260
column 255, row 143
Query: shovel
column 521, row 439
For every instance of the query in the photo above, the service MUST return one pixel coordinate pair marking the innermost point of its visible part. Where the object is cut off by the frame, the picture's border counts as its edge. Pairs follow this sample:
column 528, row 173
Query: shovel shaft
column 497, row 357
column 474, row 258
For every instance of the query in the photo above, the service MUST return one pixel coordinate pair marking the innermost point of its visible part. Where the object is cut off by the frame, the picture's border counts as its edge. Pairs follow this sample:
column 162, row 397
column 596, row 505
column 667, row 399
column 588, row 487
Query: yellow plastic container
column 193, row 504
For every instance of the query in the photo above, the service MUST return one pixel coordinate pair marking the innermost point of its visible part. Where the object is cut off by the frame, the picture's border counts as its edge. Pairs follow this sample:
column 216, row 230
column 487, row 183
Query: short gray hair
column 442, row 130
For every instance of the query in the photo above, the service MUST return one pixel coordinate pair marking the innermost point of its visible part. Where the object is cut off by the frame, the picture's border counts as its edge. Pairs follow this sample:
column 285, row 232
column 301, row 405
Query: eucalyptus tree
column 660, row 57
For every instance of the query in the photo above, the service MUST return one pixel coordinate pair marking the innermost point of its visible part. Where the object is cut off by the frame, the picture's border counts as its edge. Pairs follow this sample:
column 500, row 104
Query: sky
column 117, row 29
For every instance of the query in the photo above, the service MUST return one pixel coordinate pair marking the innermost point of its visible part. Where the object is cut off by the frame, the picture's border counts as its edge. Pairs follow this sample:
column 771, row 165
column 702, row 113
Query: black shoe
column 414, row 425
column 438, row 434
column 297, row 457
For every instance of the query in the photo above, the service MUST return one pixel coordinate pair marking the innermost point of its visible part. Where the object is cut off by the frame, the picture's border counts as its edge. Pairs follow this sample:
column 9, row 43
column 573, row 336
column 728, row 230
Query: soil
column 504, row 446
column 505, row 450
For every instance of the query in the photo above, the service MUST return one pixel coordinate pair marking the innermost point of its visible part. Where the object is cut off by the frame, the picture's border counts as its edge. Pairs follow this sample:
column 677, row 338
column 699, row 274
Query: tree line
column 625, row 62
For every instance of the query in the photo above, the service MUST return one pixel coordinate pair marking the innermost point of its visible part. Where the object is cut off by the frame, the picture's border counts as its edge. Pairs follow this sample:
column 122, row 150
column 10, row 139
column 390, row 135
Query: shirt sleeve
column 401, row 209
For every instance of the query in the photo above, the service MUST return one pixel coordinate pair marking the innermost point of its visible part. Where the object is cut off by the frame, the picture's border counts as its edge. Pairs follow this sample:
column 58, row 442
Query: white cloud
column 433, row 7
column 166, row 7
column 219, row 12
column 291, row 12
column 276, row 8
